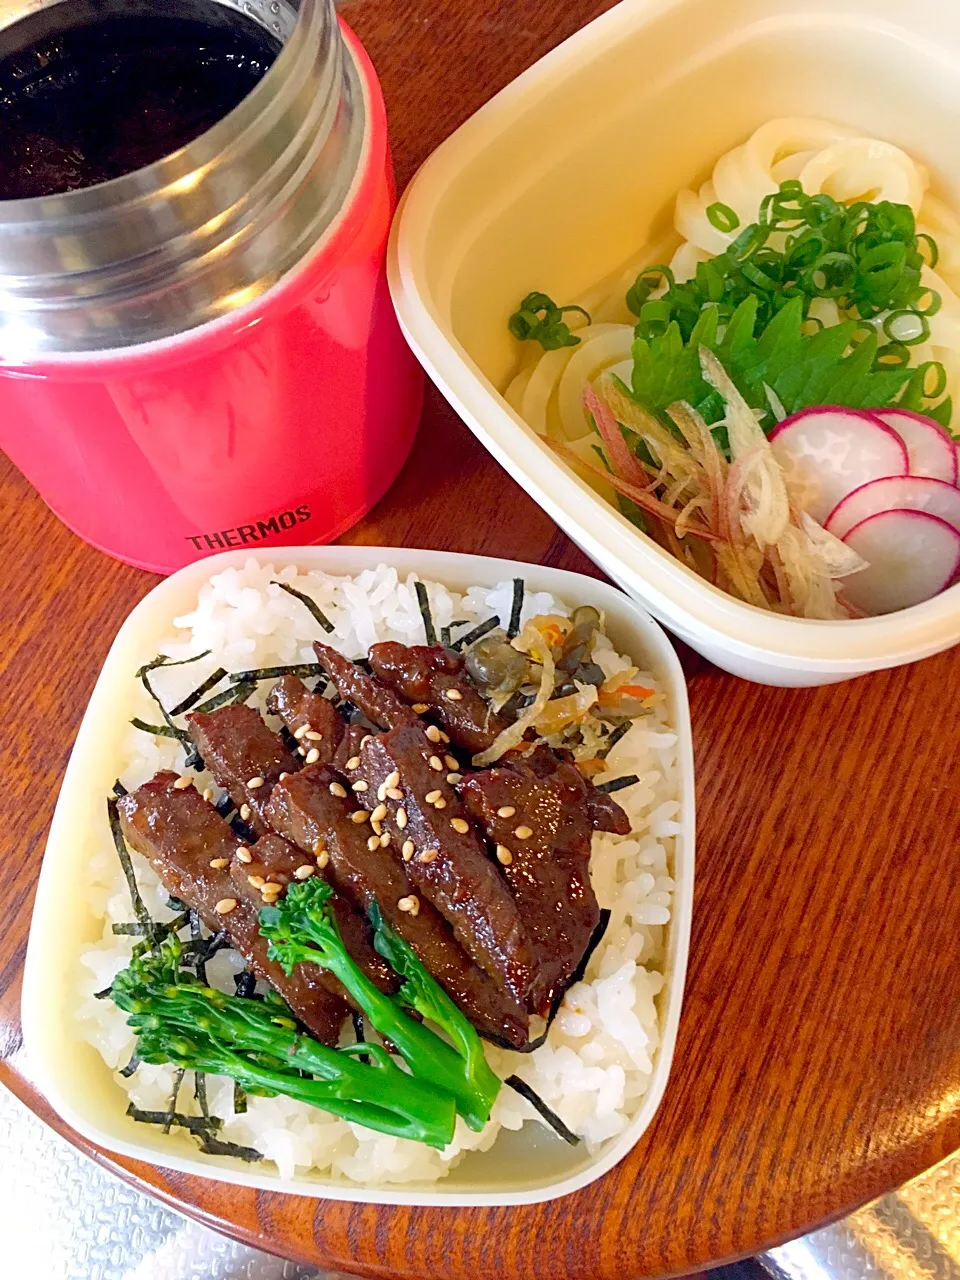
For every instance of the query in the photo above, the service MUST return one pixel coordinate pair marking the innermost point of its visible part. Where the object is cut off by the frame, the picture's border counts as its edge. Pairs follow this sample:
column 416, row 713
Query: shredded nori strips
column 194, row 760
column 192, row 699
column 113, row 816
column 538, row 1104
column 315, row 611
column 155, row 930
column 131, row 1066
column 177, row 1082
column 224, row 806
column 423, row 600
column 119, row 789
column 274, row 673
column 199, row 943
column 216, row 1147
column 242, row 830
column 478, row 632
column 158, row 730
column 516, row 609
column 246, row 984
column 618, row 784
column 105, row 994
column 228, row 697
column 614, row 738
column 595, row 939
column 200, row 1093
column 357, row 1020
column 195, row 1124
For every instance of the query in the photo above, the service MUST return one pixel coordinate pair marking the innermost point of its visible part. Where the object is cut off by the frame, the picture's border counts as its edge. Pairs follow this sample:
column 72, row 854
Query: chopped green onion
column 933, row 251
column 722, row 217
column 895, row 334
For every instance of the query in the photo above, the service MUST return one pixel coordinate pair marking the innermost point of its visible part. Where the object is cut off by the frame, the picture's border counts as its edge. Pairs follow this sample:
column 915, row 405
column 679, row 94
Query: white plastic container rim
column 697, row 610
column 70, row 1072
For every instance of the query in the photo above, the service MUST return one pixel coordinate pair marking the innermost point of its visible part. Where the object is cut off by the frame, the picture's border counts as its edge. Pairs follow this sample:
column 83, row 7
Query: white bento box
column 560, row 180
column 521, row 1168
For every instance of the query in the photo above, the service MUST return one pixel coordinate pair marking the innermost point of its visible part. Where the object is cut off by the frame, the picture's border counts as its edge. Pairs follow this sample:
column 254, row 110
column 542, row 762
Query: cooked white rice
column 596, row 1065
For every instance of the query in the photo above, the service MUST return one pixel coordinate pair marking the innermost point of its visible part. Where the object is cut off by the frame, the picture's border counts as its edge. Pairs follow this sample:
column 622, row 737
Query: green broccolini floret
column 302, row 928
column 257, row 1043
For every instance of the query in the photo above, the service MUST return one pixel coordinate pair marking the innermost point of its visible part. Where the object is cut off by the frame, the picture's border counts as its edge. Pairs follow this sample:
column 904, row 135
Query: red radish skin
column 896, row 493
column 827, row 452
column 930, row 448
column 911, row 556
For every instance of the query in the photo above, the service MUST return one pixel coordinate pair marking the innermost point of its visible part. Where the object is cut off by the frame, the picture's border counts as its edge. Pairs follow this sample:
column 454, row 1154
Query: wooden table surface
column 818, row 1062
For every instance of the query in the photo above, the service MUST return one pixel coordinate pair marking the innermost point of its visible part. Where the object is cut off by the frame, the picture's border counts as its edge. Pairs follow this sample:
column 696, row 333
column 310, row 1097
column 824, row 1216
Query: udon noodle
column 826, row 158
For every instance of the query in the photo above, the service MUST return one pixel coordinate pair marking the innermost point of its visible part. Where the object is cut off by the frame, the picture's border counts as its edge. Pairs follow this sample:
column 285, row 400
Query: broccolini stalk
column 422, row 992
column 303, row 929
column 177, row 1019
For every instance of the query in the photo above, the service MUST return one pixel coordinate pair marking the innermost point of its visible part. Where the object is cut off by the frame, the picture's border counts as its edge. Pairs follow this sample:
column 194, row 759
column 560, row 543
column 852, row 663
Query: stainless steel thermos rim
column 202, row 232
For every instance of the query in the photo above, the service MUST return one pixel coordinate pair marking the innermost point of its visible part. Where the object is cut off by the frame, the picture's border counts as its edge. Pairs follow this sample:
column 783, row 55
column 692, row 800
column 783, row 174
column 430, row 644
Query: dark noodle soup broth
column 87, row 103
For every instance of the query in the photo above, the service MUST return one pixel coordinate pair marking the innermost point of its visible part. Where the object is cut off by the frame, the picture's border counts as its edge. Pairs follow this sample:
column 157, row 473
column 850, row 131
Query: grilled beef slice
column 379, row 704
column 307, row 715
column 538, row 813
column 426, row 675
column 448, row 861
column 305, row 811
column 238, row 748
column 276, row 859
column 181, row 835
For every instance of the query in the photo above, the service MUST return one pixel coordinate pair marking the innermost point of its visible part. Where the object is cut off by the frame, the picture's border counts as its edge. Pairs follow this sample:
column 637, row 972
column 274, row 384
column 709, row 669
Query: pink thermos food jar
column 201, row 353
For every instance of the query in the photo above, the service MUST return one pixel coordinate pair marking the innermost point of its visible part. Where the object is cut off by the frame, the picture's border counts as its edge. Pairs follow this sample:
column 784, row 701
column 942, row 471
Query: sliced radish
column 896, row 493
column 931, row 450
column 827, row 452
column 911, row 557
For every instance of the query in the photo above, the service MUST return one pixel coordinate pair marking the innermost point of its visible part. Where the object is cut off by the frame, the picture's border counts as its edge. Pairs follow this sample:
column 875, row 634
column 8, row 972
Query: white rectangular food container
column 521, row 1168
column 563, row 177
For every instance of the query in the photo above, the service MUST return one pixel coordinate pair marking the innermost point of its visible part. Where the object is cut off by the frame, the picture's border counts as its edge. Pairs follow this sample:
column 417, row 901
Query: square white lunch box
column 522, row 1167
column 560, row 180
